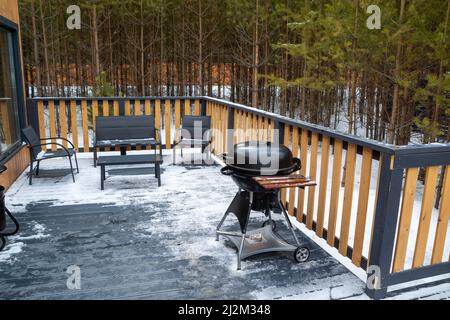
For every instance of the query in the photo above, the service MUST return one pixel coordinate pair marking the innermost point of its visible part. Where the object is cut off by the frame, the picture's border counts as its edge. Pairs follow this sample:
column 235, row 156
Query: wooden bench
column 104, row 161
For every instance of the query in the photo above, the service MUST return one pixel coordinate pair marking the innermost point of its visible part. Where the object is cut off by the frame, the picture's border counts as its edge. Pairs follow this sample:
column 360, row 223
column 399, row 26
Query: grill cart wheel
column 274, row 224
column 301, row 254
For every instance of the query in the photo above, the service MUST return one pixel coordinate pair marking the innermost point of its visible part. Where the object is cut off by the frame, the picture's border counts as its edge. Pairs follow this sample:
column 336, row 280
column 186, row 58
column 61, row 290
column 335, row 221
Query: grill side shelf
column 295, row 180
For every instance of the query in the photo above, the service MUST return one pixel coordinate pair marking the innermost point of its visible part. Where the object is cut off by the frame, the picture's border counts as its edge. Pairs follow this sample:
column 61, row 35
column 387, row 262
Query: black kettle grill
column 252, row 159
column 3, row 213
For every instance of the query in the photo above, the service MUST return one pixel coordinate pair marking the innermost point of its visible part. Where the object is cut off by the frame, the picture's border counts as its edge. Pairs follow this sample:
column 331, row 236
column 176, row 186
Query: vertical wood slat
column 127, row 110
column 361, row 214
column 312, row 175
column 197, row 107
column 94, row 107
column 272, row 131
column 409, row 191
column 158, row 116
column 225, row 127
column 349, row 181
column 236, row 125
column 168, row 123
column 255, row 127
column 304, row 161
column 63, row 121
column 241, row 126
column 335, row 189
column 187, row 107
column 260, row 130
column 85, row 124
column 73, row 123
column 286, row 142
column 442, row 224
column 292, row 191
column 266, row 129
column 41, row 121
column 116, row 108
column 221, row 128
column 323, row 184
column 177, row 118
column 425, row 215
column 137, row 107
column 116, row 112
column 52, row 121
column 147, row 107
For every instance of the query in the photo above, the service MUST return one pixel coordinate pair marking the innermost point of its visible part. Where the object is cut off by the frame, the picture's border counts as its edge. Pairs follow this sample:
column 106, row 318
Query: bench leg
column 102, row 177
column 158, row 173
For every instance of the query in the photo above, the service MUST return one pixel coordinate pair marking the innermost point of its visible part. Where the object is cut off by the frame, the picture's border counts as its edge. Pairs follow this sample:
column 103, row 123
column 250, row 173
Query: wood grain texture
column 294, row 148
column 304, row 161
column 361, row 213
column 286, row 142
column 335, row 190
column 312, row 176
column 409, row 192
column 442, row 224
column 323, row 184
column 63, row 122
column 16, row 165
column 197, row 107
column 10, row 10
column 187, row 107
column 429, row 191
column 52, row 122
column 94, row 107
column 168, row 123
column 41, row 121
column 349, row 181
column 73, row 123
column 85, row 125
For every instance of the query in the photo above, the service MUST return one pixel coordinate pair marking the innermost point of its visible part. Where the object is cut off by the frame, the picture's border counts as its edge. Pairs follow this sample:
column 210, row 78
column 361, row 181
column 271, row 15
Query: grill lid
column 261, row 158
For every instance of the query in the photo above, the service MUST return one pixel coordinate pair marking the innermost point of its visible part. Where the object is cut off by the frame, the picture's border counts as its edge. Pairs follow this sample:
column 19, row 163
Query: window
column 9, row 104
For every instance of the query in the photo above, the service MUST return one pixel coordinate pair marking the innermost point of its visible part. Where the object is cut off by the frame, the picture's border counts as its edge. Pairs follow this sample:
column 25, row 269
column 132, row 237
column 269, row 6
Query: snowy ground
column 135, row 240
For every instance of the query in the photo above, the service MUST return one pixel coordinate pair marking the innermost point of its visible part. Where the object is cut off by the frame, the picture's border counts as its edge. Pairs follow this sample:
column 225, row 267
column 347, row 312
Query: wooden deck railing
column 365, row 199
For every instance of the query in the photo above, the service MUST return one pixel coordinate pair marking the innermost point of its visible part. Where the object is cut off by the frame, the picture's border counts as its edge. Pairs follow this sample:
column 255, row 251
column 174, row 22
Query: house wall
column 18, row 162
column 10, row 10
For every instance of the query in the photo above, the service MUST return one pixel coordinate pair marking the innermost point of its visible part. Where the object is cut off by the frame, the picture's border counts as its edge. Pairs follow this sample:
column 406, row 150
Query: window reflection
column 9, row 127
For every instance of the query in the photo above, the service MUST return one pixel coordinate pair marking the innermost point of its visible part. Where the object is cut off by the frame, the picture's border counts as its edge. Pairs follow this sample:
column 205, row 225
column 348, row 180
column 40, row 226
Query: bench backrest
column 125, row 127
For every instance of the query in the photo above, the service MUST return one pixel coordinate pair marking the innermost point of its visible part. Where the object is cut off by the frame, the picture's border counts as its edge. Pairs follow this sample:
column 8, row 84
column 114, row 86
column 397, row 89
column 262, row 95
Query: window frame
column 13, row 28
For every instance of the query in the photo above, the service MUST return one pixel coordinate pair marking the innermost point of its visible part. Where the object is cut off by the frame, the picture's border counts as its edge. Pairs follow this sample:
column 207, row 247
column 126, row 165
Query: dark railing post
column 32, row 114
column 203, row 107
column 386, row 217
column 280, row 127
column 121, row 107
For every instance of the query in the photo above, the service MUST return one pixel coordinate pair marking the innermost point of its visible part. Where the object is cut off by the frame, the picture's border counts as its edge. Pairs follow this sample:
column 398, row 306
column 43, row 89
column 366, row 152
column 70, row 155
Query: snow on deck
column 135, row 240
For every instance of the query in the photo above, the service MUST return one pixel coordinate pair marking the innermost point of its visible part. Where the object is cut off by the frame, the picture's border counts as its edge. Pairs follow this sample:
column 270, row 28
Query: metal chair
column 37, row 155
column 186, row 135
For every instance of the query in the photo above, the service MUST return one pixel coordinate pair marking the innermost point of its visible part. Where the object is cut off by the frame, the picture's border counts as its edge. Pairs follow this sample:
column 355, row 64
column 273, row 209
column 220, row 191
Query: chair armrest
column 52, row 143
column 64, row 139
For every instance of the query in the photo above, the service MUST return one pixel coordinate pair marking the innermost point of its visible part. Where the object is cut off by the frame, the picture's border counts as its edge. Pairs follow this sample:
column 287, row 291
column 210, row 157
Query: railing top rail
column 370, row 143
column 349, row 138
column 119, row 98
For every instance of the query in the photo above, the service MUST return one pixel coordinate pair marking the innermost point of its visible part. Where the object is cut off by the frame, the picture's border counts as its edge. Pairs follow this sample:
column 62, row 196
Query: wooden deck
column 137, row 241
